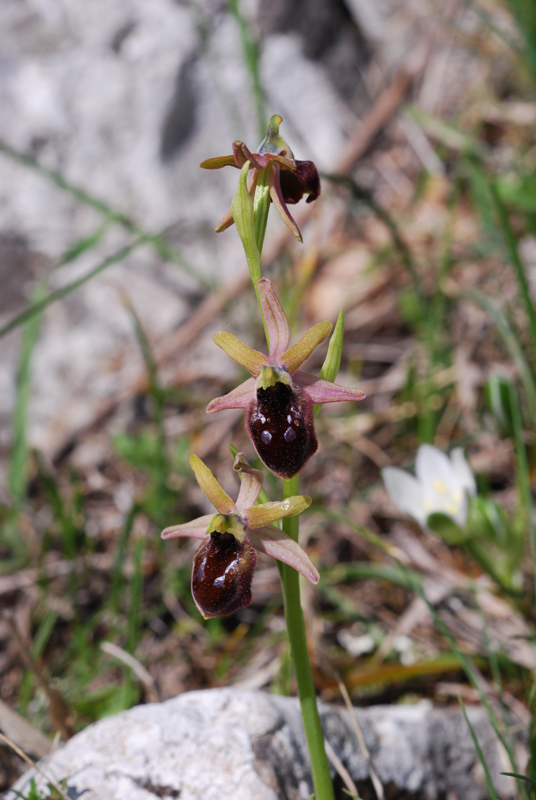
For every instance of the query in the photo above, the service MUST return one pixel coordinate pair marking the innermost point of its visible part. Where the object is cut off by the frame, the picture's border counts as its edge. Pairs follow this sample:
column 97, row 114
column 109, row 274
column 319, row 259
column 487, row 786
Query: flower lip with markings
column 288, row 179
column 224, row 564
column 279, row 398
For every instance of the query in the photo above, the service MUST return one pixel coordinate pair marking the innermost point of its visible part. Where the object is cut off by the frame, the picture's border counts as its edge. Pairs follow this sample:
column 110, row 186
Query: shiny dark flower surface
column 280, row 424
column 222, row 573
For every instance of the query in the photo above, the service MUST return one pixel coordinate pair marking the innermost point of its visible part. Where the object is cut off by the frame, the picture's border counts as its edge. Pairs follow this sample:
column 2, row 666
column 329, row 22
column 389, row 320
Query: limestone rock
column 224, row 744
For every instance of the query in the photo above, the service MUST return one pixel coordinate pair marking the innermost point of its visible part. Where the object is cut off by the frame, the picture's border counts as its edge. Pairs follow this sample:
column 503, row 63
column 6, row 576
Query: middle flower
column 279, row 397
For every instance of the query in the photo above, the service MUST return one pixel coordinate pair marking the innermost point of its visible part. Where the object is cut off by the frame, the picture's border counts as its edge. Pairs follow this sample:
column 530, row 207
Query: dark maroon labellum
column 222, row 574
column 281, row 427
column 303, row 180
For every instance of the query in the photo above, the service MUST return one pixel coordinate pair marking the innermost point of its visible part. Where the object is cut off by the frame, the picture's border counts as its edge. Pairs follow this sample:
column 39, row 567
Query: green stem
column 323, row 785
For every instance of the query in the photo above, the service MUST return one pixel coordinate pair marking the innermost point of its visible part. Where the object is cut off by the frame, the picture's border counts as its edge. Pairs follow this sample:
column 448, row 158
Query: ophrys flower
column 279, row 397
column 288, row 179
column 224, row 564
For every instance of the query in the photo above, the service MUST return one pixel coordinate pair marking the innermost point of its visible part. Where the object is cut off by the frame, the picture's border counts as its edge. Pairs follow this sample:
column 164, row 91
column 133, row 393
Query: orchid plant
column 280, row 401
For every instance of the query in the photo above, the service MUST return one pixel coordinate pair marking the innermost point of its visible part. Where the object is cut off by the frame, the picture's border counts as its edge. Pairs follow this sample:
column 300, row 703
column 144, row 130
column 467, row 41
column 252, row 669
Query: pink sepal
column 240, row 397
column 275, row 319
column 196, row 529
column 277, row 544
column 321, row 391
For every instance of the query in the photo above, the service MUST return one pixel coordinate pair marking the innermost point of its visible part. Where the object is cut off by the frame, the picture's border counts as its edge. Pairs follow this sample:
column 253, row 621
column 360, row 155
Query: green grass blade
column 512, row 345
column 472, row 676
column 36, row 308
column 18, row 466
column 520, row 777
column 523, row 475
column 489, row 782
column 250, row 51
column 511, row 245
column 165, row 250
column 136, row 596
column 116, row 586
column 524, row 12
column 83, row 244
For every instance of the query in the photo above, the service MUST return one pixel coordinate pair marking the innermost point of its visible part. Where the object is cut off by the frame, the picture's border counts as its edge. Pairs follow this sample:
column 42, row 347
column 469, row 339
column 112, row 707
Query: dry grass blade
column 340, row 769
column 144, row 677
column 376, row 783
column 31, row 763
column 22, row 733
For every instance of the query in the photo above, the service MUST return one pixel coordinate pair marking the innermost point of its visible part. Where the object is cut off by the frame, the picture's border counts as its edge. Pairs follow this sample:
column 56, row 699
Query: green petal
column 210, row 486
column 300, row 352
column 218, row 162
column 251, row 359
column 264, row 514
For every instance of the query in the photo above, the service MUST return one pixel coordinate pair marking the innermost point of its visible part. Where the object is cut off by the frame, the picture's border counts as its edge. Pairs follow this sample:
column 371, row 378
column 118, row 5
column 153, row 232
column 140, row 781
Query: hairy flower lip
column 283, row 360
column 249, row 524
column 289, row 180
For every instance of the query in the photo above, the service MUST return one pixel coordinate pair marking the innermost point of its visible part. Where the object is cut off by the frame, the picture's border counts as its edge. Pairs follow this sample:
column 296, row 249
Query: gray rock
column 224, row 744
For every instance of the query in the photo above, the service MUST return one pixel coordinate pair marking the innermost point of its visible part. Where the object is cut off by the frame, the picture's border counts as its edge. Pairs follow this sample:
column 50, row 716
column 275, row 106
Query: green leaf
column 489, row 782
column 520, row 777
column 332, row 361
column 446, row 527
column 497, row 393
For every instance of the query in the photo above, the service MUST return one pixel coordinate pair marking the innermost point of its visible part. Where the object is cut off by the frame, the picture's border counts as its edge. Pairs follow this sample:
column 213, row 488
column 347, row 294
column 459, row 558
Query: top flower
column 442, row 485
column 279, row 398
column 288, row 179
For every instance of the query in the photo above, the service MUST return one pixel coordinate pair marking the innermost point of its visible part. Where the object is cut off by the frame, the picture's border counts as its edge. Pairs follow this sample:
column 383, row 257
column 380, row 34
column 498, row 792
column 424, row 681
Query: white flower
column 442, row 485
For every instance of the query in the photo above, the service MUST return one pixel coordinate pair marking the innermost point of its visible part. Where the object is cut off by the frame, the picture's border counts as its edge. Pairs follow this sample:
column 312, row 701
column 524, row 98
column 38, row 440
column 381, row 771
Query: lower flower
column 224, row 564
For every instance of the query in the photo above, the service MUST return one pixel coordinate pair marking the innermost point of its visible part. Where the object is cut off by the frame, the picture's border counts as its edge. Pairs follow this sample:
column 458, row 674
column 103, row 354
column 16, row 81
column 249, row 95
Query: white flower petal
column 461, row 516
column 435, row 471
column 463, row 471
column 406, row 493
